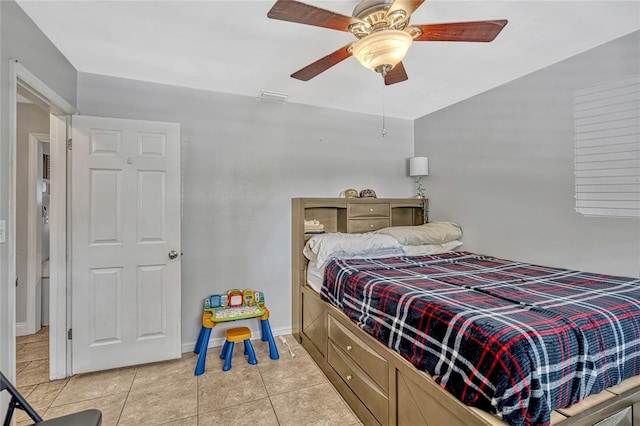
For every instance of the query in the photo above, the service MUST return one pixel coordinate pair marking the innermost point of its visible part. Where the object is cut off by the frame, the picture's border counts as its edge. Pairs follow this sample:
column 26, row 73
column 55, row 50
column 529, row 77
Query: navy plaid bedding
column 515, row 339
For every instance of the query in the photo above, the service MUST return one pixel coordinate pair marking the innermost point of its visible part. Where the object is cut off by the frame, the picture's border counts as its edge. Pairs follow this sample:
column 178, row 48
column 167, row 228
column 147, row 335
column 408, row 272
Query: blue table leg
column 263, row 333
column 196, row 350
column 268, row 337
column 202, row 351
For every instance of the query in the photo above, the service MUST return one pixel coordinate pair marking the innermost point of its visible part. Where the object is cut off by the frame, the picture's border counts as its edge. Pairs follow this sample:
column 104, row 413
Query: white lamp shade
column 382, row 48
column 419, row 166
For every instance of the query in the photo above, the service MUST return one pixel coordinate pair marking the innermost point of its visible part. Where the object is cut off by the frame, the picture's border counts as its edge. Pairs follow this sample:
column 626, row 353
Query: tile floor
column 289, row 391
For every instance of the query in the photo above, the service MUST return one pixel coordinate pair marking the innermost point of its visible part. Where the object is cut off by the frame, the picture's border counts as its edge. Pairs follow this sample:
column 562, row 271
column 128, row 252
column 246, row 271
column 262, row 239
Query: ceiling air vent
column 268, row 95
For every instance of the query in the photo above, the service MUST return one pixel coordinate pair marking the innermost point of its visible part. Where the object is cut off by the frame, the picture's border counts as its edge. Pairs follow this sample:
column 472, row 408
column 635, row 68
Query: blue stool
column 234, row 335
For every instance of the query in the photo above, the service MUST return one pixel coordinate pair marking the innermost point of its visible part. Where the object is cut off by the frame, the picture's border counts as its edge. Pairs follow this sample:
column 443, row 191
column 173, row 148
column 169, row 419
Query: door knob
column 173, row 254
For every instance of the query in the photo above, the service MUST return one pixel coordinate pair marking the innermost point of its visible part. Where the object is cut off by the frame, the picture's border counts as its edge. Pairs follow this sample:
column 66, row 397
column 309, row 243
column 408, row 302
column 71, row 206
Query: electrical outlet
column 3, row 231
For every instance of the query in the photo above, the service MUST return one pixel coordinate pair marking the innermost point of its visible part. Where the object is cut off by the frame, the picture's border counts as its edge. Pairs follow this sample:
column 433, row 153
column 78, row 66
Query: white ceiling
column 232, row 47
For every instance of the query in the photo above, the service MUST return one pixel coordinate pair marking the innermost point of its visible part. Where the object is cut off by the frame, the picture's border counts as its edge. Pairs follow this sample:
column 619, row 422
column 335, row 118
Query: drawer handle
column 370, row 210
column 349, row 377
column 371, row 226
column 349, row 347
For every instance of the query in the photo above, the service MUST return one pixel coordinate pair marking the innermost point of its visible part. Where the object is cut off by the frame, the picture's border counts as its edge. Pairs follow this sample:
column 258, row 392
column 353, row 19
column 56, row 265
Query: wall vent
column 269, row 95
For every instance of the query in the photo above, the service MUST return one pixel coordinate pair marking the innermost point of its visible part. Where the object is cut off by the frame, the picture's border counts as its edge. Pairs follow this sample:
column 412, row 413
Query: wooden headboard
column 348, row 215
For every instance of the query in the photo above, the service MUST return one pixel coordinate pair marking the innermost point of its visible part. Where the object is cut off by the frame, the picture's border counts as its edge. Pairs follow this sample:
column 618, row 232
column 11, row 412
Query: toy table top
column 236, row 313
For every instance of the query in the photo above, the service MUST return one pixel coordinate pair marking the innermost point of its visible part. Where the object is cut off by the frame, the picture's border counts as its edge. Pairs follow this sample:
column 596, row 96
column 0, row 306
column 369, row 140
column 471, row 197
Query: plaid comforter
column 515, row 339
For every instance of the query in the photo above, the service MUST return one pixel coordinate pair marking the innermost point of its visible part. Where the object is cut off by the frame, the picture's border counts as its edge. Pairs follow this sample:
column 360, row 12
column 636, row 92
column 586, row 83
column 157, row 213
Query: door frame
column 20, row 77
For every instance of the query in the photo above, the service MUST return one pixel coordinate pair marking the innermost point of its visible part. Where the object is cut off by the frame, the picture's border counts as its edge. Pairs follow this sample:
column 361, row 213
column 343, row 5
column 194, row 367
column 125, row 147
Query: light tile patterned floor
column 289, row 391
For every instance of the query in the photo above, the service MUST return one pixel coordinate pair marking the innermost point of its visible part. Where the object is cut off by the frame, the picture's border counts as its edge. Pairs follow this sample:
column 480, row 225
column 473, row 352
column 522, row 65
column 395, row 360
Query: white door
column 125, row 234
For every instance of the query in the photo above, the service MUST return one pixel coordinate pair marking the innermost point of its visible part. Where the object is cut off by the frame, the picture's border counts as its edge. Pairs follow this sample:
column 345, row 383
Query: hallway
column 32, row 359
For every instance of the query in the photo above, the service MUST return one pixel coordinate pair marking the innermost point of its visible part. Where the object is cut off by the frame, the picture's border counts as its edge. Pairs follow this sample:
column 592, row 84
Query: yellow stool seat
column 238, row 334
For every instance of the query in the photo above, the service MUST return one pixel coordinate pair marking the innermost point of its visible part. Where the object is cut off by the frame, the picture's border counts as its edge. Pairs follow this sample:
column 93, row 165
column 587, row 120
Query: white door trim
column 59, row 362
column 20, row 76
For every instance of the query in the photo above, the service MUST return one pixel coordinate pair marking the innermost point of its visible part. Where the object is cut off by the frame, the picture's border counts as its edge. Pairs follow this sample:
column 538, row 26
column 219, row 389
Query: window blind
column 607, row 148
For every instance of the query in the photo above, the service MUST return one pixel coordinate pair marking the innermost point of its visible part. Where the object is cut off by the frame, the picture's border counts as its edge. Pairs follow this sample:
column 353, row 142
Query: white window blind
column 607, row 148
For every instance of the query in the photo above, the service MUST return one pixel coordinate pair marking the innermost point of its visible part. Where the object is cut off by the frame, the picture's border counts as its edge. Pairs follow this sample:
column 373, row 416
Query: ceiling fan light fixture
column 382, row 49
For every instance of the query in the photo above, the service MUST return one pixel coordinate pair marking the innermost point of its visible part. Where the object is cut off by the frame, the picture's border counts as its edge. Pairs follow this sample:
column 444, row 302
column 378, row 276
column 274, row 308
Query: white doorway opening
column 34, row 237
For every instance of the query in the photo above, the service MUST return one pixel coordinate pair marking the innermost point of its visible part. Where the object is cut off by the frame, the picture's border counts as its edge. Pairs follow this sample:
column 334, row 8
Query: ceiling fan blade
column 483, row 31
column 295, row 11
column 396, row 75
column 323, row 64
column 408, row 6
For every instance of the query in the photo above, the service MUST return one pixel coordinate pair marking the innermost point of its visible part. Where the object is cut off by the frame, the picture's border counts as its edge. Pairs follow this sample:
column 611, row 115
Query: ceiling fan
column 383, row 32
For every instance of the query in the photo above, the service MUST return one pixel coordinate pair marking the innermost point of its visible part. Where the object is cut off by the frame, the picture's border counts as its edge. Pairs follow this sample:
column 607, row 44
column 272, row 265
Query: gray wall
column 20, row 39
column 242, row 161
column 501, row 164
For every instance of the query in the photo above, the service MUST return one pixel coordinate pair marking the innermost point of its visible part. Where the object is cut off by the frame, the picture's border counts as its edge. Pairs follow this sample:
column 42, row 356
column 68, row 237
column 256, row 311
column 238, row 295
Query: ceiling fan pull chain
column 384, row 128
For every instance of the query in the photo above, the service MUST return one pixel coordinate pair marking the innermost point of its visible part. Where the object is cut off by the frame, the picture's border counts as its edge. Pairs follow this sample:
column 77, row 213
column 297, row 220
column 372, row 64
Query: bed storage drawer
column 357, row 226
column 375, row 366
column 370, row 394
column 621, row 418
column 369, row 210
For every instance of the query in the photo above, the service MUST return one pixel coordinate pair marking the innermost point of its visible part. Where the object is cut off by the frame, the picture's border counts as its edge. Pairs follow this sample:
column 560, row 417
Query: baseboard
column 219, row 341
column 22, row 329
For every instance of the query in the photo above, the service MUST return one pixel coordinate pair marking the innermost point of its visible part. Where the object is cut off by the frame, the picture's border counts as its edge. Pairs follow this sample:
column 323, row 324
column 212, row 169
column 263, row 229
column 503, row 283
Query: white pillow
column 429, row 233
column 426, row 249
column 320, row 248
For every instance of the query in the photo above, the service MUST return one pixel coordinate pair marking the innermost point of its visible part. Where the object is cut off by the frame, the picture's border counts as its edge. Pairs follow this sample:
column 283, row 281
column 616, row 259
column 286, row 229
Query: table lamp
column 419, row 167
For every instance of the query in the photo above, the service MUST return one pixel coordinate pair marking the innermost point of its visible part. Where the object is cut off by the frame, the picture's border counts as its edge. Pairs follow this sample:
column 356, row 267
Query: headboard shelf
column 348, row 215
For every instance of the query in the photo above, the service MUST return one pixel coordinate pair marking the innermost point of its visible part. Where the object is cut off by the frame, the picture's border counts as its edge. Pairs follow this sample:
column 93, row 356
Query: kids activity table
column 211, row 316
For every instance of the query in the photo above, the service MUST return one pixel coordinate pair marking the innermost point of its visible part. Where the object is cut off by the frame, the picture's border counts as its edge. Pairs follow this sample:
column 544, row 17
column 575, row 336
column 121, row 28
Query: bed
column 396, row 370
